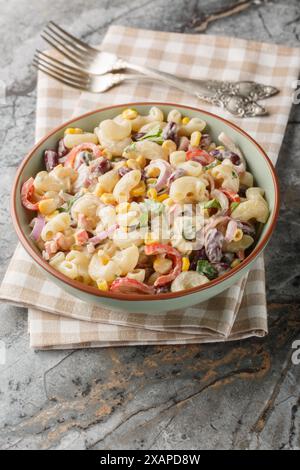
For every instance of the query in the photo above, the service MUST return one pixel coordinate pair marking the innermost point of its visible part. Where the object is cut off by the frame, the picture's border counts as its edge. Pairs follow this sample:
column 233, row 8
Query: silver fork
column 97, row 62
column 75, row 78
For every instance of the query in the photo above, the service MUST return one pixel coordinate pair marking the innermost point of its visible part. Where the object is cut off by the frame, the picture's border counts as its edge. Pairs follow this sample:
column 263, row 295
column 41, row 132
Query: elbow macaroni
column 129, row 193
column 227, row 176
column 255, row 207
column 122, row 189
column 58, row 223
column 245, row 242
column 194, row 124
column 187, row 189
column 149, row 150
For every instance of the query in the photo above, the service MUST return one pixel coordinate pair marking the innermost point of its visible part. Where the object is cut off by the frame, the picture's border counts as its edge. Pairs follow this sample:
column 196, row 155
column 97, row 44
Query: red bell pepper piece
column 199, row 155
column 27, row 192
column 95, row 149
column 231, row 195
column 125, row 285
column 162, row 249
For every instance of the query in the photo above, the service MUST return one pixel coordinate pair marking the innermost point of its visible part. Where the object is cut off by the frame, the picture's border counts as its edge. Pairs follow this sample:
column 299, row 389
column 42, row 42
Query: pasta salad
column 144, row 204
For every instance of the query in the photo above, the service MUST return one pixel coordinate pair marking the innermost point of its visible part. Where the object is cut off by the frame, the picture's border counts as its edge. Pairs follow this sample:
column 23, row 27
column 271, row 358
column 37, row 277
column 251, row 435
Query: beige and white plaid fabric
column 58, row 320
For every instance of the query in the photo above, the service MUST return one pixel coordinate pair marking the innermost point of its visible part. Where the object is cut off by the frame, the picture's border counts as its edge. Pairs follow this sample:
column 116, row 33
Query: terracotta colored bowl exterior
column 258, row 163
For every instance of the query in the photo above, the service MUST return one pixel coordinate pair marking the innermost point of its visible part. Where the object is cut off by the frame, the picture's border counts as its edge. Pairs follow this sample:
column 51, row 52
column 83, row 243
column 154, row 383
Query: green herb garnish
column 234, row 175
column 212, row 204
column 67, row 206
column 154, row 135
column 204, row 267
column 212, row 165
column 130, row 148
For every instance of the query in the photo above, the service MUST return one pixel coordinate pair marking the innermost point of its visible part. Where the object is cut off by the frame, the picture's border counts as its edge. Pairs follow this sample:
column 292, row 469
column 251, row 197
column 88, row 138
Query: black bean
column 138, row 135
column 205, row 141
column 170, row 132
column 100, row 166
column 62, row 150
column 234, row 158
column 196, row 256
column 51, row 159
column 242, row 191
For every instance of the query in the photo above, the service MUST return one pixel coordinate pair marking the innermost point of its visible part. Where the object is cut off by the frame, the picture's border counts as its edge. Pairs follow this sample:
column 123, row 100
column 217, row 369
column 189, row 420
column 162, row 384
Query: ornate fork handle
column 254, row 91
column 236, row 104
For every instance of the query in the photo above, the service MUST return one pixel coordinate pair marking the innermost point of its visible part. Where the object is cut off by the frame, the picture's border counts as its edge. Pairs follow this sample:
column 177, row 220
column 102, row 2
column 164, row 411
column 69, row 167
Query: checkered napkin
column 58, row 320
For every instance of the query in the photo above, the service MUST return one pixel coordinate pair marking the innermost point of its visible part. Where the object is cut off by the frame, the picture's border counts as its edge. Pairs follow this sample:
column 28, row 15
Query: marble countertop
column 242, row 395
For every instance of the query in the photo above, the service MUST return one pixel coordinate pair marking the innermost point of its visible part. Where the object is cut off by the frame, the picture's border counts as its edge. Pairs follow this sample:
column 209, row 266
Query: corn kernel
column 235, row 263
column 108, row 198
column 212, row 147
column 132, row 163
column 50, row 216
column 149, row 239
column 102, row 285
column 129, row 113
column 46, row 206
column 238, row 235
column 141, row 160
column 185, row 120
column 185, row 264
column 139, row 190
column 74, row 130
column 169, row 146
column 162, row 197
column 153, row 172
column 123, row 208
column 195, row 138
column 152, row 193
column 220, row 147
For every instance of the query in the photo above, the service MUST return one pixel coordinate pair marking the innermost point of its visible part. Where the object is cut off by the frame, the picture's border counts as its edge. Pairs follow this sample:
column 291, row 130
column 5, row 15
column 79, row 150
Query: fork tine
column 55, row 69
column 59, row 79
column 78, row 55
column 62, row 65
column 65, row 39
column 84, row 45
column 62, row 51
column 59, row 75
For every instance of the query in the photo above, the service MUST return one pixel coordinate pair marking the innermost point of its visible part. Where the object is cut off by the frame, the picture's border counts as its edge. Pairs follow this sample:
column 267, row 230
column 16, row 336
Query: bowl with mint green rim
column 258, row 164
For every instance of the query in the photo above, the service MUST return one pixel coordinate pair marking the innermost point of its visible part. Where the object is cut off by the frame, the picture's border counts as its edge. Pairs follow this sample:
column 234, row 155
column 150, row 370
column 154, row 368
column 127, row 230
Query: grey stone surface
column 239, row 395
